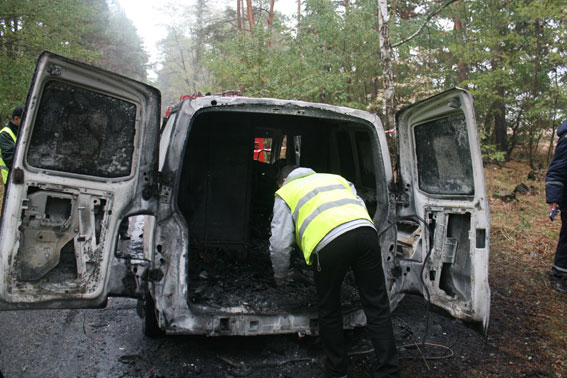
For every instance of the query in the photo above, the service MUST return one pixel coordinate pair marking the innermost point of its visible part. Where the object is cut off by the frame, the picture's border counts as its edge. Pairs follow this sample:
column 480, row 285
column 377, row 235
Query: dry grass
column 523, row 242
column 522, row 225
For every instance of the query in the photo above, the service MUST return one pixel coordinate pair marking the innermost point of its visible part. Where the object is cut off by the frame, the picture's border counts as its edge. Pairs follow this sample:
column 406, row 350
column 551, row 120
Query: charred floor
column 230, row 278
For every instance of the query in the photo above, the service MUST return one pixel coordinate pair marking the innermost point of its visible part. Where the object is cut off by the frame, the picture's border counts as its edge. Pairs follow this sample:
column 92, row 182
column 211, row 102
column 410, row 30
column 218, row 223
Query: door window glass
column 84, row 132
column 443, row 156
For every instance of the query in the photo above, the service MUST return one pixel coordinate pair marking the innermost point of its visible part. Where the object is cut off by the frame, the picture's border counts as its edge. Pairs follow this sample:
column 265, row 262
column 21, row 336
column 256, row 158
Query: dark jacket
column 7, row 145
column 556, row 177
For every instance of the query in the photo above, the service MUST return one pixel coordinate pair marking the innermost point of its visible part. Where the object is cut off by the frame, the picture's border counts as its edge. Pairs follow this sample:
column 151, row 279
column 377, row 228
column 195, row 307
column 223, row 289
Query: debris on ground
column 505, row 195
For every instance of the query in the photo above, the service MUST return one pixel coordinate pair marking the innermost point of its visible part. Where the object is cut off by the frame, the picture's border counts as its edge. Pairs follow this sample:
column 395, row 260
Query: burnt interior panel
column 346, row 157
column 99, row 206
column 221, row 182
column 66, row 269
column 456, row 271
column 214, row 191
column 47, row 232
column 366, row 159
column 314, row 146
column 57, row 210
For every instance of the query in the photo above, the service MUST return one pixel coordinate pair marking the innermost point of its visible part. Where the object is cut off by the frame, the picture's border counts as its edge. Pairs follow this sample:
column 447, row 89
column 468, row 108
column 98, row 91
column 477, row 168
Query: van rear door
column 86, row 158
column 442, row 180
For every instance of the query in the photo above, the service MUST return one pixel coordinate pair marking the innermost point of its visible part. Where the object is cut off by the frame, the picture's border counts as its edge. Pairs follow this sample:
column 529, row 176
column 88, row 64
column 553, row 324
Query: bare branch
column 429, row 17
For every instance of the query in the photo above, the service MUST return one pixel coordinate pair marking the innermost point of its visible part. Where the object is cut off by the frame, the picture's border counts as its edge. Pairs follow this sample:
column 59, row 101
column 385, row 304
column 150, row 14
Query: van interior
column 226, row 193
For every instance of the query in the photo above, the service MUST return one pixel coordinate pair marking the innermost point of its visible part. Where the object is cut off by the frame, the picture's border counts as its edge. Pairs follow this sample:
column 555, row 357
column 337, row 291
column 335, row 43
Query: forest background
column 377, row 55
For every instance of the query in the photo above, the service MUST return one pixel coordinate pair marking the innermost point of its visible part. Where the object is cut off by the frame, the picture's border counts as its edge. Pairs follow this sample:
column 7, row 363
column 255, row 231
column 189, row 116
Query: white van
column 91, row 152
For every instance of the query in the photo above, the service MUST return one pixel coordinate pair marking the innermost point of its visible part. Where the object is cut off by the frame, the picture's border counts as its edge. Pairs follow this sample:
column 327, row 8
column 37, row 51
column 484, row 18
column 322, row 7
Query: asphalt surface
column 109, row 343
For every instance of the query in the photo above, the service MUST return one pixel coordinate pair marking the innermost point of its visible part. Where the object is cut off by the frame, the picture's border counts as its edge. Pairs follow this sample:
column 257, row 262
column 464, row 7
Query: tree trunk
column 184, row 65
column 250, row 16
column 535, row 91
column 462, row 68
column 386, row 62
column 270, row 22
column 496, row 65
column 499, row 106
column 197, row 64
column 513, row 139
column 239, row 15
column 499, row 114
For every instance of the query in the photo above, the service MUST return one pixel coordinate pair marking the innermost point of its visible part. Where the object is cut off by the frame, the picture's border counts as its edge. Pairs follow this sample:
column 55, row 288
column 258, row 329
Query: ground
column 528, row 323
column 526, row 337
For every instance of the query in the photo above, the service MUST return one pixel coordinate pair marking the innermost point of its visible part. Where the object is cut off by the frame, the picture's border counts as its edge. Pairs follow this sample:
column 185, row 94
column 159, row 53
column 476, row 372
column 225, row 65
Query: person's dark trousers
column 360, row 250
column 560, row 263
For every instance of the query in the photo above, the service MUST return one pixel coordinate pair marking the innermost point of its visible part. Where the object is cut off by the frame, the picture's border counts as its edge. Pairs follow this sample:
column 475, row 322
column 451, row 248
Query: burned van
column 91, row 153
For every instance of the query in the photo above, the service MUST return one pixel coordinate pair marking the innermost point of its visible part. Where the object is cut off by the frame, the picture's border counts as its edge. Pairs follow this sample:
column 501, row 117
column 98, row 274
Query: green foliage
column 510, row 54
column 516, row 57
column 26, row 29
column 86, row 30
column 325, row 62
column 489, row 151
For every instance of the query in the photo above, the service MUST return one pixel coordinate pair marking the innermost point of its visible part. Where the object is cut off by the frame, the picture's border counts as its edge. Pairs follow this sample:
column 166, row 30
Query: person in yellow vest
column 8, row 141
column 322, row 214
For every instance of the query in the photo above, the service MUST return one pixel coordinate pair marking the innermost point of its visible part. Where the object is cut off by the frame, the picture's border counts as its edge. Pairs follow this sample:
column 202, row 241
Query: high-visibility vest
column 3, row 166
column 319, row 203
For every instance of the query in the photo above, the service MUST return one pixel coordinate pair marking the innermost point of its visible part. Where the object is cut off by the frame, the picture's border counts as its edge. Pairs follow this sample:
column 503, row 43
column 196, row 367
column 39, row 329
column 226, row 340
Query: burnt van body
column 91, row 153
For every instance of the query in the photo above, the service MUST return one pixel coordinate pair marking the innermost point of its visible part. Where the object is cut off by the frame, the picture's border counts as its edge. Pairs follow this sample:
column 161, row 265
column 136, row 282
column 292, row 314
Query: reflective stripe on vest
column 319, row 203
column 3, row 166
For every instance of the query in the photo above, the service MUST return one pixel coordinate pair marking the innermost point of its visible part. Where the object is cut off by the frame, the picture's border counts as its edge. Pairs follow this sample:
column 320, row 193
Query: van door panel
column 86, row 157
column 441, row 172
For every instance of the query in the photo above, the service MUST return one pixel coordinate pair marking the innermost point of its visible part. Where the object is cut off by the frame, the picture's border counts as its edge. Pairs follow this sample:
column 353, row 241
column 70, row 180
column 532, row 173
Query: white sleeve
column 282, row 238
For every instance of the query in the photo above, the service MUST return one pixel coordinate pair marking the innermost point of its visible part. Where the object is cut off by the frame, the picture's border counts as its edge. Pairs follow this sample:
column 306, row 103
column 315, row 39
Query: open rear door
column 86, row 157
column 442, row 180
